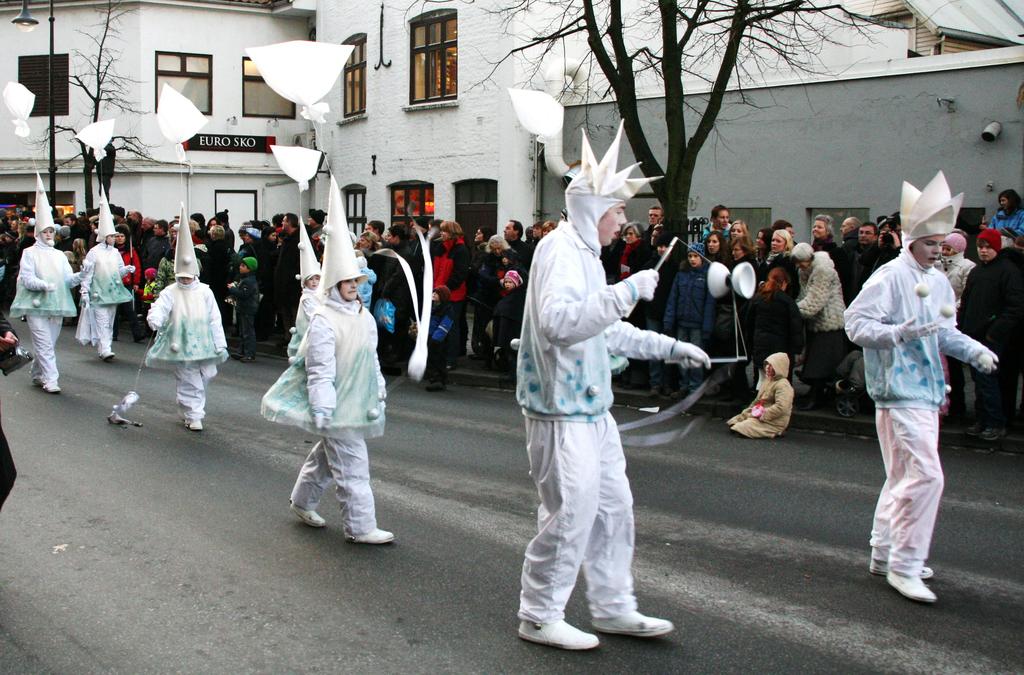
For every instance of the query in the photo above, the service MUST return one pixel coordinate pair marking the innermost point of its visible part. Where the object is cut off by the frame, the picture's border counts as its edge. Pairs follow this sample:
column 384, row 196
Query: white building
column 197, row 47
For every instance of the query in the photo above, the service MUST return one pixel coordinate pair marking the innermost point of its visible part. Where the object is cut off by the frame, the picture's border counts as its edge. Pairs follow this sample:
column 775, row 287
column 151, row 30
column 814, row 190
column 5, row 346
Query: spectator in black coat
column 823, row 240
column 220, row 272
column 157, row 246
column 654, row 310
column 8, row 340
column 286, row 286
column 772, row 321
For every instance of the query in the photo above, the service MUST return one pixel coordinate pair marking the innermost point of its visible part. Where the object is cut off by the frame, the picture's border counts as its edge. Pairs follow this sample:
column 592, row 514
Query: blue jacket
column 1013, row 222
column 690, row 303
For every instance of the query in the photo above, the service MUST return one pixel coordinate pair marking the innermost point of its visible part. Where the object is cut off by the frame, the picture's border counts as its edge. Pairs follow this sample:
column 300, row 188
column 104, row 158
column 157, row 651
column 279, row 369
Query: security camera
column 991, row 131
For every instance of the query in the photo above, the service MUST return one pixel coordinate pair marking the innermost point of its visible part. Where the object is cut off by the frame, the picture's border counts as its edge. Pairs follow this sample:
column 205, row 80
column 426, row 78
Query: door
column 241, row 206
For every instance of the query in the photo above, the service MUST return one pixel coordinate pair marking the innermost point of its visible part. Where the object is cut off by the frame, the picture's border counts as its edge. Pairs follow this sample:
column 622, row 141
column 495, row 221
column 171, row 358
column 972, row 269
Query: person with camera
column 886, row 249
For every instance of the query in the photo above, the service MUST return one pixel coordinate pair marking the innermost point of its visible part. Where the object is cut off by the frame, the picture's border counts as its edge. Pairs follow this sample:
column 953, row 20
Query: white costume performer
column 572, row 320
column 334, row 388
column 102, row 287
column 310, row 300
column 44, row 295
column 190, row 334
column 903, row 319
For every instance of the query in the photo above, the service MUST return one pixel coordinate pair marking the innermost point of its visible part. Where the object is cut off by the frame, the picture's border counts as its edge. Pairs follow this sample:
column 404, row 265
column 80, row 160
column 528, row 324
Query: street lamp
column 27, row 23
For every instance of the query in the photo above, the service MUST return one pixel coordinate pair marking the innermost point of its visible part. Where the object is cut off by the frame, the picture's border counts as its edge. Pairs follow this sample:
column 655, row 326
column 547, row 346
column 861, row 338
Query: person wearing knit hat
column 102, row 287
column 572, row 325
column 955, row 266
column 904, row 320
column 44, row 296
column 246, row 295
column 334, row 389
column 190, row 335
column 991, row 310
column 441, row 321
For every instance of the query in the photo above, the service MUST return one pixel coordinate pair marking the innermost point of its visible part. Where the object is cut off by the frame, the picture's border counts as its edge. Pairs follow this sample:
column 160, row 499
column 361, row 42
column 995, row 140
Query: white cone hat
column 931, row 212
column 185, row 264
column 106, row 224
column 44, row 212
column 308, row 265
column 339, row 257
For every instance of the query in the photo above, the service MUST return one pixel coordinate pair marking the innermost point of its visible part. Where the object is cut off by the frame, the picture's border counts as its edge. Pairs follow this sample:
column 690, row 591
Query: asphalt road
column 162, row 550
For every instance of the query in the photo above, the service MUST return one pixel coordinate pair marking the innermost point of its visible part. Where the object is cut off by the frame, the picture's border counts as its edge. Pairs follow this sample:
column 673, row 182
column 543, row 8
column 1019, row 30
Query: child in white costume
column 44, row 295
column 334, row 388
column 904, row 320
column 102, row 286
column 190, row 334
column 571, row 322
column 309, row 301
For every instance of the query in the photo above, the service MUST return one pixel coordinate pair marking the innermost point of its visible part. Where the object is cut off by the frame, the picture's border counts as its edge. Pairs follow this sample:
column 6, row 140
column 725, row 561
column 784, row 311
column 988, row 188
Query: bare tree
column 720, row 43
column 108, row 91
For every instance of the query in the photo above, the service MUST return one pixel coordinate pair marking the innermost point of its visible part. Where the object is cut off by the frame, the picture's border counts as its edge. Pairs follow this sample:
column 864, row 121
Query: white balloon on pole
column 20, row 102
column 302, row 72
column 178, row 118
column 300, row 164
column 96, row 136
column 538, row 112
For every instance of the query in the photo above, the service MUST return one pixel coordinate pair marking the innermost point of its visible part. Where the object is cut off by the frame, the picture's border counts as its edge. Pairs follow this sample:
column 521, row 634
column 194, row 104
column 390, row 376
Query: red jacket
column 130, row 257
column 451, row 267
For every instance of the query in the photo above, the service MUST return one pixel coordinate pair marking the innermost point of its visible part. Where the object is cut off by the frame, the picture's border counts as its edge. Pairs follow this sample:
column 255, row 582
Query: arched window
column 354, row 89
column 434, row 56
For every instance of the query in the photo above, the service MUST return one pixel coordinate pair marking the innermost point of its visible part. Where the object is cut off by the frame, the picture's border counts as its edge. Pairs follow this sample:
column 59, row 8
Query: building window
column 435, row 58
column 355, row 76
column 476, row 204
column 258, row 99
column 33, row 73
column 190, row 74
column 411, row 199
column 355, row 206
column 755, row 218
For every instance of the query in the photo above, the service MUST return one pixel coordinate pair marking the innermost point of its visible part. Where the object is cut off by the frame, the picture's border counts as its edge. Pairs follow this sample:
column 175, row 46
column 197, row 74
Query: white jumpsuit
column 104, row 264
column 571, row 322
column 906, row 382
column 341, row 457
column 192, row 377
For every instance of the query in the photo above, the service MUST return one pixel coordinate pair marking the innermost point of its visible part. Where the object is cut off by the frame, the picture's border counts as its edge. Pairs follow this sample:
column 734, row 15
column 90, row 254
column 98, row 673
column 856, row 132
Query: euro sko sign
column 225, row 143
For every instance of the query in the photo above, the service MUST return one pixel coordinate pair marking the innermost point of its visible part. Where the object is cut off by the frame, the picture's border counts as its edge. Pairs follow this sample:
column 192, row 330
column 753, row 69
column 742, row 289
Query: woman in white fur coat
column 821, row 305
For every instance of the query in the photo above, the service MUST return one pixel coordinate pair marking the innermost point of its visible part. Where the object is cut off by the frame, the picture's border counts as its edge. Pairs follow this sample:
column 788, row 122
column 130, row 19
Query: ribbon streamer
column 418, row 360
column 716, row 377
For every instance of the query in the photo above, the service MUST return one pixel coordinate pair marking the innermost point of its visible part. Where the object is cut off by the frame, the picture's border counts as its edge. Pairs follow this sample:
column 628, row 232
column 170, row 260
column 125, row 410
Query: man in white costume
column 190, row 334
column 334, row 388
column 102, row 286
column 571, row 323
column 44, row 295
column 904, row 320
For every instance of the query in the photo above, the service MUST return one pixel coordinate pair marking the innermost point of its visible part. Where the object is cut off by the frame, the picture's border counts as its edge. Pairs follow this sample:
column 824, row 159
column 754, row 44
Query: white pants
column 909, row 502
column 585, row 518
column 345, row 461
column 191, row 387
column 105, row 315
column 45, row 330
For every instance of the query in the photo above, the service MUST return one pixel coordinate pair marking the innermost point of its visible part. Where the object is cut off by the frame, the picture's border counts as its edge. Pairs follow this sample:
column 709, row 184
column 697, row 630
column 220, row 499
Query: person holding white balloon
column 190, row 335
column 903, row 318
column 44, row 296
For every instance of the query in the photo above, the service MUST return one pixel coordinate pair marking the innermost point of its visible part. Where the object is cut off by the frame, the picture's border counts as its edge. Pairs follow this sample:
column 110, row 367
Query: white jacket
column 905, row 374
column 103, row 257
column 957, row 267
column 571, row 322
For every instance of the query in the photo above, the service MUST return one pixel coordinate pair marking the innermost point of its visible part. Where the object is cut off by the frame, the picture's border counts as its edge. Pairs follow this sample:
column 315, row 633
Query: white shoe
column 51, row 388
column 881, row 568
column 311, row 518
column 107, row 357
column 558, row 634
column 910, row 587
column 194, row 425
column 377, row 536
column 635, row 624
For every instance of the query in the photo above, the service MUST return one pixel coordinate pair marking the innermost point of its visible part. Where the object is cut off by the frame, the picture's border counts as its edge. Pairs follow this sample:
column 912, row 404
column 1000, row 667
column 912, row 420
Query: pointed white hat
column 928, row 212
column 44, row 212
column 339, row 262
column 185, row 264
column 308, row 264
column 106, row 224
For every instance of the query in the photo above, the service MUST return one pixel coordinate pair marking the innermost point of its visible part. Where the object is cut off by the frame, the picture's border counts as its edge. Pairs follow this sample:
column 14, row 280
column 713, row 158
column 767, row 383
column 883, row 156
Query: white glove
column 645, row 281
column 84, row 303
column 688, row 356
column 910, row 330
column 129, row 269
column 321, row 421
column 984, row 360
column 50, row 288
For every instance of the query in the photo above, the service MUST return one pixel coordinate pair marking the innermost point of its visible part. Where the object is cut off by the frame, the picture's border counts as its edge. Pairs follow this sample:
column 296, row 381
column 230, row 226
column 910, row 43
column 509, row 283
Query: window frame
column 358, row 41
column 355, row 194
column 183, row 56
column 406, row 187
column 440, row 17
column 28, row 63
column 259, row 79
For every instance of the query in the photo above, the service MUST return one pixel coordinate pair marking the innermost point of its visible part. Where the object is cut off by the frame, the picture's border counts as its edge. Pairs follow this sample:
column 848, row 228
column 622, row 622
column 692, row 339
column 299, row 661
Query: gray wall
column 846, row 143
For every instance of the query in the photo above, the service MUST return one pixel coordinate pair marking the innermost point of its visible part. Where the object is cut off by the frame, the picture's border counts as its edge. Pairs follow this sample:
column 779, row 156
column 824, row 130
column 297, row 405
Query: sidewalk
column 473, row 374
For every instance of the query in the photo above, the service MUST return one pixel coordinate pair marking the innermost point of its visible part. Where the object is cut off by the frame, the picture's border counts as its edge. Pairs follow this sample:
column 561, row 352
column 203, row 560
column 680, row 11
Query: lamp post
column 27, row 23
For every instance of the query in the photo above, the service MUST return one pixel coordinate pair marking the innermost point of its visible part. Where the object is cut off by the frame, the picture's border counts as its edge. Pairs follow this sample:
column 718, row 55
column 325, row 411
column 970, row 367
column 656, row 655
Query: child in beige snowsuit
column 768, row 415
